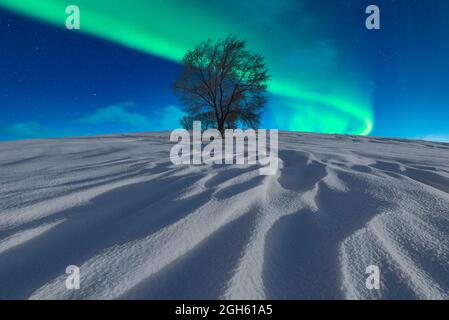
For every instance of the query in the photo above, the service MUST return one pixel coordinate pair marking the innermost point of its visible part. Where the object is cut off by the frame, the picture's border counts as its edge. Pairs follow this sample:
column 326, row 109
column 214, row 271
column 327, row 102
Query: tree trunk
column 221, row 129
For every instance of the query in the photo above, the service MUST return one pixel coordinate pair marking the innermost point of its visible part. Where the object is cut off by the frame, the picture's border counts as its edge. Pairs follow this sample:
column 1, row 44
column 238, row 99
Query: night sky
column 329, row 73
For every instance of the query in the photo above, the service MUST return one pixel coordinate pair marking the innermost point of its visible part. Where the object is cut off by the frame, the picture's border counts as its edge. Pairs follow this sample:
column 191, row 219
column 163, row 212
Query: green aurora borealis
column 315, row 86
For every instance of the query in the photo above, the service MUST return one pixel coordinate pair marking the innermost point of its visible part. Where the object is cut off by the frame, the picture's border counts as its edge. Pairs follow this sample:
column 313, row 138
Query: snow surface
column 140, row 227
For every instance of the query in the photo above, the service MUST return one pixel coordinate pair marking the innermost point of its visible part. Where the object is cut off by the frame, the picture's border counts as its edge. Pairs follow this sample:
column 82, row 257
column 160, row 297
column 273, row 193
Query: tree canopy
column 223, row 85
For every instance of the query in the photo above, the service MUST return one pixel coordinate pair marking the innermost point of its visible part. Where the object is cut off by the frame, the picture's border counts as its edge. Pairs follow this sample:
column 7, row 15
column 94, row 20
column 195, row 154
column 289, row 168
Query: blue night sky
column 56, row 82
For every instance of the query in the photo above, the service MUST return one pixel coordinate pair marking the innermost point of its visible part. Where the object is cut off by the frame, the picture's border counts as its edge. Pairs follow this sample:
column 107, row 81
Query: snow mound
column 140, row 227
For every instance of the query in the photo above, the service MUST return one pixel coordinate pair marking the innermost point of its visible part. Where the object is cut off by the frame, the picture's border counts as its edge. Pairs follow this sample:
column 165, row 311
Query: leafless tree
column 223, row 84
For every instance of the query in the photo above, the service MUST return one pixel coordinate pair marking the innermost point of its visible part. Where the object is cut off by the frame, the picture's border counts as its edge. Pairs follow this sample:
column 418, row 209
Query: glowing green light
column 167, row 28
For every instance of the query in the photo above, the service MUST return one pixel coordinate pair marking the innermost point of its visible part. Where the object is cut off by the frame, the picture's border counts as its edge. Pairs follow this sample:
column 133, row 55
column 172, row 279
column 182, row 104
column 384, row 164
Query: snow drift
column 140, row 227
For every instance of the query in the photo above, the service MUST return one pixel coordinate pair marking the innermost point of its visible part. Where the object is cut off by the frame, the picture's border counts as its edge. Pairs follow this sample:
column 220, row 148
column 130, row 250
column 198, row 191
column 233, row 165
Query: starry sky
column 329, row 73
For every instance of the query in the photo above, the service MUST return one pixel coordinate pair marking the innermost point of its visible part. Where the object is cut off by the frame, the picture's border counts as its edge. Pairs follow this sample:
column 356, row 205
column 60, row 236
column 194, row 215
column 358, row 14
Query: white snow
column 140, row 227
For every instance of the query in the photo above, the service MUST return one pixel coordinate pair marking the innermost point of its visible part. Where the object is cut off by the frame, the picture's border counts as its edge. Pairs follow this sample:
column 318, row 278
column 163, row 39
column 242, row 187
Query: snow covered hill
column 140, row 227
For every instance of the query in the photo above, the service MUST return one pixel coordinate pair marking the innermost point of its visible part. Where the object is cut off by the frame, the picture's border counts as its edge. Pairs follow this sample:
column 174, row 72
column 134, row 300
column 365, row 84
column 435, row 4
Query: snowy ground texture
column 140, row 227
